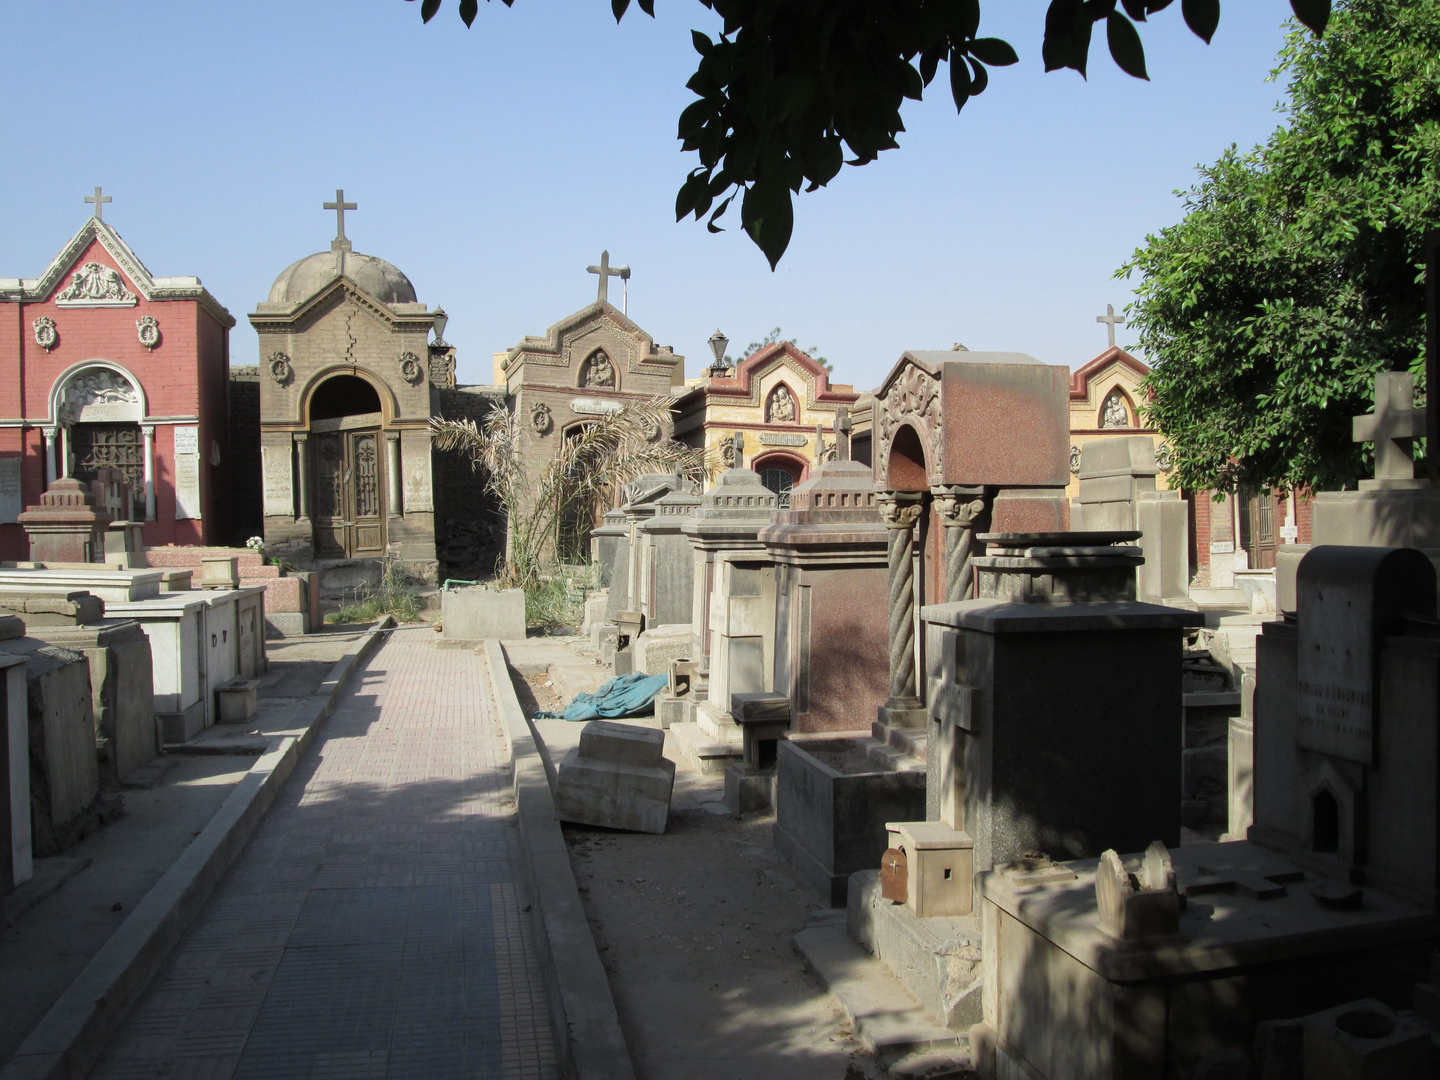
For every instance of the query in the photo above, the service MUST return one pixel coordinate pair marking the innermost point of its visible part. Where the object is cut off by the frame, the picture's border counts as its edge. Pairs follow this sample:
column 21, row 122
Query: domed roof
column 302, row 280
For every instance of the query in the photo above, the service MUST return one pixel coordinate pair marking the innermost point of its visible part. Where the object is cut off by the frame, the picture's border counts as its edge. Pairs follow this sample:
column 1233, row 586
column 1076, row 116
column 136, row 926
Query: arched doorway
column 99, row 409
column 780, row 474
column 346, row 460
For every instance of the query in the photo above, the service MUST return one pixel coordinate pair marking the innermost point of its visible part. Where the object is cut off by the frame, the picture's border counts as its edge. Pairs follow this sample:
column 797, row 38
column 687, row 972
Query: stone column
column 304, row 471
column 51, row 474
column 392, row 465
column 148, row 431
column 900, row 511
column 959, row 508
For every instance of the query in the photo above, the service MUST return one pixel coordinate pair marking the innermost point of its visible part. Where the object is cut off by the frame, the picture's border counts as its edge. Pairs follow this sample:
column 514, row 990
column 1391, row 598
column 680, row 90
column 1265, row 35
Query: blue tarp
column 624, row 695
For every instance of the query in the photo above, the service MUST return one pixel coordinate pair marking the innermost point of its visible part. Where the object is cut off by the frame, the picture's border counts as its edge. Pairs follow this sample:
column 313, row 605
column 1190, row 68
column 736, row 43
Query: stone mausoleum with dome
column 348, row 380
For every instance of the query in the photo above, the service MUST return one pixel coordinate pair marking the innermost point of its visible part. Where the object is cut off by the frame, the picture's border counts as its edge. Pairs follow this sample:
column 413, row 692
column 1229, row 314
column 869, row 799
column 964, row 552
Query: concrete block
column 476, row 613
column 238, row 700
column 1365, row 1040
column 669, row 710
column 658, row 647
column 218, row 572
column 748, row 789
column 616, row 778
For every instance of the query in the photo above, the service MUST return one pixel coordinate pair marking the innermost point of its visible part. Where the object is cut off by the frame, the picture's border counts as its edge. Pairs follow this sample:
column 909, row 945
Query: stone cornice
column 1080, row 379
column 36, row 290
column 782, row 354
column 549, row 348
column 285, row 318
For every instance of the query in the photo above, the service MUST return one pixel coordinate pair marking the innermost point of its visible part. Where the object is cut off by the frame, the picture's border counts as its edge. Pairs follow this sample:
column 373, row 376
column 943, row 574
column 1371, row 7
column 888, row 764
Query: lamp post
column 441, row 319
column 718, row 342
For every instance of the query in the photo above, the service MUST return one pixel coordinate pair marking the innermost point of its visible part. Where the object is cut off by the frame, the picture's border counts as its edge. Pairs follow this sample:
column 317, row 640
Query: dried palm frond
column 593, row 460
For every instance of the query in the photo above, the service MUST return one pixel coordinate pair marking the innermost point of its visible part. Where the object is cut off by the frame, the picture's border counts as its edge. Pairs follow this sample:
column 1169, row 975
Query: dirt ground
column 694, row 930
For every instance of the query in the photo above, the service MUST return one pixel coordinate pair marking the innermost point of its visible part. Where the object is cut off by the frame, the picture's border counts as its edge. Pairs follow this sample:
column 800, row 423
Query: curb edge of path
column 589, row 1040
column 69, row 1039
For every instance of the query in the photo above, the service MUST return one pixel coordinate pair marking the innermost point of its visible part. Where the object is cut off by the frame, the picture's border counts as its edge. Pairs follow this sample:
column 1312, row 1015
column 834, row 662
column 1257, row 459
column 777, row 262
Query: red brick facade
column 180, row 381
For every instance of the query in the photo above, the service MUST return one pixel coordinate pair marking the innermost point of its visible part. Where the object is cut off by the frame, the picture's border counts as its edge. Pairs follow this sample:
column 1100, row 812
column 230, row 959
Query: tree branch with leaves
column 791, row 87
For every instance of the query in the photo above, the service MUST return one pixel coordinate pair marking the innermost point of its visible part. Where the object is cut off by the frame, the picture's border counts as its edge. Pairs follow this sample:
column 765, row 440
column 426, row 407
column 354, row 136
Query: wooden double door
column 349, row 517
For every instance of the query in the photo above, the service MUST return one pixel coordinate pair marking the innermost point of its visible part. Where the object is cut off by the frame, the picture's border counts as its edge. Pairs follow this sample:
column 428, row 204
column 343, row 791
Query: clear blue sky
column 493, row 164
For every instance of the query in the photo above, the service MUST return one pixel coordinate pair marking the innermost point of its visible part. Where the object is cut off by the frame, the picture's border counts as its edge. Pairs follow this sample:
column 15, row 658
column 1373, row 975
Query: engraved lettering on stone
column 187, row 486
column 595, row 406
column 46, row 336
column 781, row 438
column 96, row 284
column 147, row 328
column 10, row 505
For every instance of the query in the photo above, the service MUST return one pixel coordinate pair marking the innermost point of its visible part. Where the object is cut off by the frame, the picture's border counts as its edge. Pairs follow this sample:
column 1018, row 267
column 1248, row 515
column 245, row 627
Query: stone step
column 888, row 1020
column 892, row 759
column 704, row 754
column 907, row 740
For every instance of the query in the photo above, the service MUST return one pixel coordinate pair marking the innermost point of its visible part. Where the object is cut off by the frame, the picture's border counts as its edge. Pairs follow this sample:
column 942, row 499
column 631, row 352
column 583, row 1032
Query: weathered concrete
column 476, row 614
column 617, row 777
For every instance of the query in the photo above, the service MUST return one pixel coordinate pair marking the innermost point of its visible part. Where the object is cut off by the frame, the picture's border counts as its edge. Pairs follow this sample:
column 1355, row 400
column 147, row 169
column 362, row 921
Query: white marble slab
column 109, row 585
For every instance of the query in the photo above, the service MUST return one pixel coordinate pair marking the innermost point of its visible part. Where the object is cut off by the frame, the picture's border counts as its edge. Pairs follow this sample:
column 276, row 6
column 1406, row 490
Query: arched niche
column 97, row 391
column 905, row 470
column 388, row 407
column 1117, row 410
column 598, row 372
column 781, row 405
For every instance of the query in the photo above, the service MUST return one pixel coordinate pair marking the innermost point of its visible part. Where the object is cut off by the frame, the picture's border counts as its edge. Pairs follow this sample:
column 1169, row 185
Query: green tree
column 791, row 86
column 778, row 335
column 1297, row 271
column 586, row 468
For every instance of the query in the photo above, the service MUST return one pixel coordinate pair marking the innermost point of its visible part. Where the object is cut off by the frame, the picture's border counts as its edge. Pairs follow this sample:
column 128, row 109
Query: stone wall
column 246, row 519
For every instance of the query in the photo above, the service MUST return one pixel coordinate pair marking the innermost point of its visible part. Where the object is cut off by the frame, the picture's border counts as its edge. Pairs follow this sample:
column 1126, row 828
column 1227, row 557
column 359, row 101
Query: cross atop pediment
column 1392, row 425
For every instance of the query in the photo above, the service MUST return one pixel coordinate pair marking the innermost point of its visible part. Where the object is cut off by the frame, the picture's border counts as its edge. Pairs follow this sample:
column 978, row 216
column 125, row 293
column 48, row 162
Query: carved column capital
column 148, row 430
column 958, row 507
column 898, row 509
column 392, row 436
column 300, row 436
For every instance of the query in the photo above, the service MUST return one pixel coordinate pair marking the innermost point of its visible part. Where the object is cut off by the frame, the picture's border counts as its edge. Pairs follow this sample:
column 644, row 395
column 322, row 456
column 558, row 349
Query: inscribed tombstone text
column 10, row 506
column 187, row 440
column 279, row 495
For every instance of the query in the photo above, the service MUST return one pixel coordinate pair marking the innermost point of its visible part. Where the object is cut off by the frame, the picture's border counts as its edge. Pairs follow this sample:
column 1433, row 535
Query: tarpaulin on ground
column 624, row 695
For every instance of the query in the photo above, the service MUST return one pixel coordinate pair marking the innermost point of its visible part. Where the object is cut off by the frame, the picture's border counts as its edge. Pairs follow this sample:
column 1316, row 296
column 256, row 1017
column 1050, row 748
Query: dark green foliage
column 1297, row 272
column 793, row 86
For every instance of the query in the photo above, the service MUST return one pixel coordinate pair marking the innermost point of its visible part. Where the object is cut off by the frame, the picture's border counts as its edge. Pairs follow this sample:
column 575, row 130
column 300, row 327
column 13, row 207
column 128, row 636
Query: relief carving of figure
column 94, row 282
column 101, row 387
column 599, row 372
column 1113, row 413
column 780, row 409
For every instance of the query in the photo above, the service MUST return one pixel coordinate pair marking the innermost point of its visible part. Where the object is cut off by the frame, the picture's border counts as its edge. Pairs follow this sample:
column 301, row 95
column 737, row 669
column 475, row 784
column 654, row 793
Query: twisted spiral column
column 958, row 512
column 900, row 511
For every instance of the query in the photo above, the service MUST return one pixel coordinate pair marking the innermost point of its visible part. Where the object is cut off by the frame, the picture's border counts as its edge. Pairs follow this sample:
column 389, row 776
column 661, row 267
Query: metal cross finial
column 1112, row 320
column 99, row 201
column 340, row 206
column 606, row 272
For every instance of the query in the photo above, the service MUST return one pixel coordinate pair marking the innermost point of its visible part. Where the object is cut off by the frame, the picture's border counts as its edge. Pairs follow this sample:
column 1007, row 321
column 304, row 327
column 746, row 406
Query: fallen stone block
column 617, row 777
column 476, row 613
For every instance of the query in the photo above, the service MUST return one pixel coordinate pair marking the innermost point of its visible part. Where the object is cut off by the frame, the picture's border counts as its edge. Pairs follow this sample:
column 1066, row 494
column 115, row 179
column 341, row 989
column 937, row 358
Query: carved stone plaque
column 10, row 505
column 781, row 438
column 595, row 406
column 187, row 485
column 187, row 440
column 279, row 493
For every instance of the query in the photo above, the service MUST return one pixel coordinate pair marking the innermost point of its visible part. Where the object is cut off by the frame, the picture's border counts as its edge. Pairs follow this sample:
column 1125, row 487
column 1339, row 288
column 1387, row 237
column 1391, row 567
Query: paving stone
column 373, row 928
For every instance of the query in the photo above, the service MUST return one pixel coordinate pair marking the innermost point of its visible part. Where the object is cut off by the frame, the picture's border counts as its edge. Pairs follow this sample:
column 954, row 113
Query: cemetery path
column 373, row 926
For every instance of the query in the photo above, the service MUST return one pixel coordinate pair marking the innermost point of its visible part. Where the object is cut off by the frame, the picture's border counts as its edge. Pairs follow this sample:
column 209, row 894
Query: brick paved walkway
column 372, row 927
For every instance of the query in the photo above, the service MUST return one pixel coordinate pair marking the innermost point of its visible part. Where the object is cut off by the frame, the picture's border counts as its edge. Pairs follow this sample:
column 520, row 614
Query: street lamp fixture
column 718, row 342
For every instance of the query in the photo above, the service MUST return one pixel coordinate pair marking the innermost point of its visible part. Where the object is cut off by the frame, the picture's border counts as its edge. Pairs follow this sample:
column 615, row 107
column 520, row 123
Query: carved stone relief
column 598, row 371
column 100, row 394
column 1113, row 413
column 98, row 285
column 280, row 368
column 540, row 417
column 914, row 396
column 147, row 328
column 46, row 336
column 780, row 408
column 1075, row 460
column 410, row 369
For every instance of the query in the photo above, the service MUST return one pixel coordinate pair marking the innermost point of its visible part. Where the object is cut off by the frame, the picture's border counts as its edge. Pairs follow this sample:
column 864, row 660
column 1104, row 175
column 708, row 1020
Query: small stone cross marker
column 1390, row 427
column 842, row 434
column 99, row 202
column 340, row 206
column 606, row 272
column 1111, row 320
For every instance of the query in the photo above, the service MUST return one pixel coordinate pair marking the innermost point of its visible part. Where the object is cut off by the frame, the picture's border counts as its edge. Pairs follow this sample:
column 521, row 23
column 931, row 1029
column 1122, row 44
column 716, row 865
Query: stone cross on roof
column 341, row 242
column 1394, row 422
column 1111, row 320
column 99, row 202
column 606, row 272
